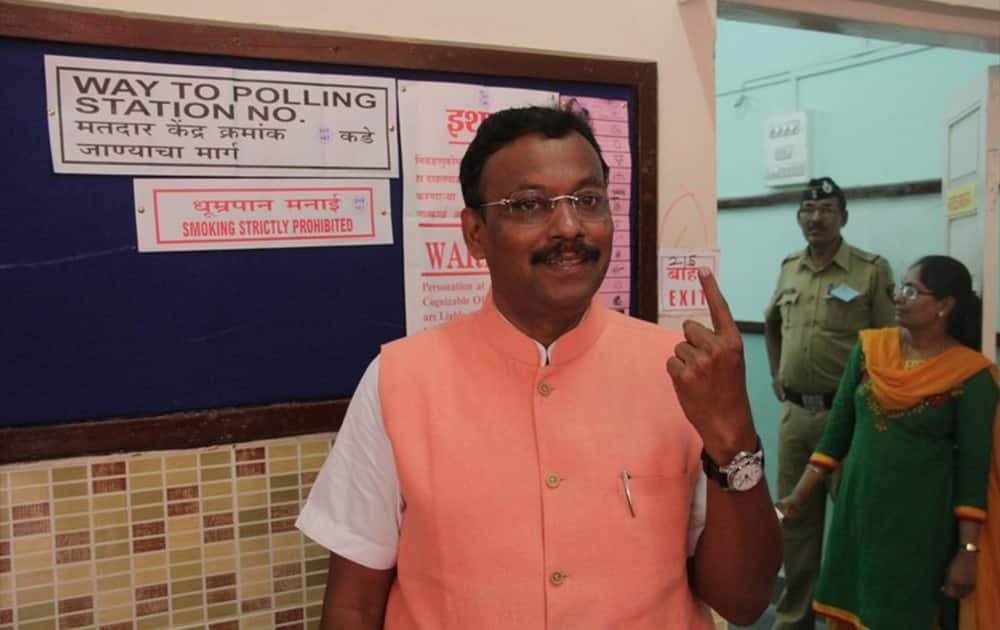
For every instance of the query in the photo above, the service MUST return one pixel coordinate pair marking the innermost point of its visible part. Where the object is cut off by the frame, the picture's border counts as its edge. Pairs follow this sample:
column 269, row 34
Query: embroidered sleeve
column 825, row 462
column 969, row 513
column 840, row 421
column 975, row 414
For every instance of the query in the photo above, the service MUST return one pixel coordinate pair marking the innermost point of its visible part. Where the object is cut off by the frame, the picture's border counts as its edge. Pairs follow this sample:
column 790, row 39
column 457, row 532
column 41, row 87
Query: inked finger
column 718, row 308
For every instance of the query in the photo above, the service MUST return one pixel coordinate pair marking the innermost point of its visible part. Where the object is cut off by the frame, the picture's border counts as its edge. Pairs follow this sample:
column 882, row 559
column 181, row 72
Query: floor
column 767, row 620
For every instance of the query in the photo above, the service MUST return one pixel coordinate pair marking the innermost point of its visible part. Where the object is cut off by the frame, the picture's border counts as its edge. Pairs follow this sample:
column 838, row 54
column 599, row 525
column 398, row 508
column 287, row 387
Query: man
column 528, row 466
column 826, row 293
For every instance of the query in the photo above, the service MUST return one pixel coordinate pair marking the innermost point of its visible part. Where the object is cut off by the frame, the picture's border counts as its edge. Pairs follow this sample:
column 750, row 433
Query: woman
column 914, row 418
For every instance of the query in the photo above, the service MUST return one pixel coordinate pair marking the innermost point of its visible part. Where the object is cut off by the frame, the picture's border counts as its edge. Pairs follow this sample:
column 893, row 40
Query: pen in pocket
column 628, row 493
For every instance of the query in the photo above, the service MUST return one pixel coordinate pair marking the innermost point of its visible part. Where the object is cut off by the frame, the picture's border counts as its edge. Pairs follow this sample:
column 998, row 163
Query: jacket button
column 545, row 389
column 557, row 578
column 552, row 480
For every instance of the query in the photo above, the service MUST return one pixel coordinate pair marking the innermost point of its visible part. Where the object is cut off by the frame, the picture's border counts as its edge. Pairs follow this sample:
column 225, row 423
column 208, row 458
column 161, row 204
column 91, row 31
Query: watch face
column 745, row 476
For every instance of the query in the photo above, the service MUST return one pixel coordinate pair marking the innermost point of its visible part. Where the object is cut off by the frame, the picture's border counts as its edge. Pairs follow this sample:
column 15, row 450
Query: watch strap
column 713, row 472
column 720, row 474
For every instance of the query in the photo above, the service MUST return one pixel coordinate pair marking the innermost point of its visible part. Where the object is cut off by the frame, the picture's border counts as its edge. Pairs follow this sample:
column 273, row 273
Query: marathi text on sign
column 181, row 215
column 122, row 117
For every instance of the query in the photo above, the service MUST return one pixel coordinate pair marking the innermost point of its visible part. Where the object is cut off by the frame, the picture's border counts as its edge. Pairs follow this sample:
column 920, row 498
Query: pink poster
column 609, row 120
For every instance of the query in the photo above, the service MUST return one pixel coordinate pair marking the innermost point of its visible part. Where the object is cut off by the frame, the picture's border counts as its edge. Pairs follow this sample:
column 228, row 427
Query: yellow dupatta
column 894, row 388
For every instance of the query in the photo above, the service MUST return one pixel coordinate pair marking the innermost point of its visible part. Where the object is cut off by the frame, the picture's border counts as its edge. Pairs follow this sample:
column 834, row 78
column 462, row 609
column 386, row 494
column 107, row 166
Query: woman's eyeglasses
column 909, row 292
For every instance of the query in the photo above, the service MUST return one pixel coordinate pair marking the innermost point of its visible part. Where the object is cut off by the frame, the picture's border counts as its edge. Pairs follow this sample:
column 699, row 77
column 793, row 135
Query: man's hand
column 739, row 551
column 709, row 376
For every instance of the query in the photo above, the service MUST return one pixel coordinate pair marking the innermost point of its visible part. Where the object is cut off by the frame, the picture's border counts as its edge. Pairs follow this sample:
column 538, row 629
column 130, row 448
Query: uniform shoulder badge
column 863, row 255
column 793, row 256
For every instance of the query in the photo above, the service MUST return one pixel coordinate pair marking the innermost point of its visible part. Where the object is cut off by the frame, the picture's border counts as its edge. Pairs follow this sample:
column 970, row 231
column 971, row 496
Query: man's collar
column 842, row 258
column 507, row 339
column 544, row 353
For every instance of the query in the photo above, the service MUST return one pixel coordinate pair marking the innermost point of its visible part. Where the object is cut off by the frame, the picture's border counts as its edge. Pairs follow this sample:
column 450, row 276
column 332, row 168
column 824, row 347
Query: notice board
column 93, row 329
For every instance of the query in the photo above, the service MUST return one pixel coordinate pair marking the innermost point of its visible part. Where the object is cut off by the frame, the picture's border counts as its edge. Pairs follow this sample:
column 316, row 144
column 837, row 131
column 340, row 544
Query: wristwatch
column 741, row 474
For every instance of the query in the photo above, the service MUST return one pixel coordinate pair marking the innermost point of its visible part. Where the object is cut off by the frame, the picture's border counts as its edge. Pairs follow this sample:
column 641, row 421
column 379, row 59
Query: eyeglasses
column 532, row 208
column 909, row 292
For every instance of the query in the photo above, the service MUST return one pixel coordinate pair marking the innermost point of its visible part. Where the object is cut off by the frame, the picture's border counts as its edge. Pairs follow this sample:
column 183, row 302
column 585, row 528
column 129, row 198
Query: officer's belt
column 812, row 402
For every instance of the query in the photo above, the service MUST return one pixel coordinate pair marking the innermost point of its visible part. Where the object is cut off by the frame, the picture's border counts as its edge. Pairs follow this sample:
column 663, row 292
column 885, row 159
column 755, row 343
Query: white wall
column 967, row 24
column 878, row 113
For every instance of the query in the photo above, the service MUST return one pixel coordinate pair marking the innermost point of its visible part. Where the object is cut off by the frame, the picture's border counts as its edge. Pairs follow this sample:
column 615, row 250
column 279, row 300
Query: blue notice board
column 93, row 329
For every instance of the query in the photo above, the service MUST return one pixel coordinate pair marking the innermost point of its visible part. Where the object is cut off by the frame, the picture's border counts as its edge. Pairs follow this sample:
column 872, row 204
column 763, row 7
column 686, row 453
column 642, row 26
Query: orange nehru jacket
column 511, row 473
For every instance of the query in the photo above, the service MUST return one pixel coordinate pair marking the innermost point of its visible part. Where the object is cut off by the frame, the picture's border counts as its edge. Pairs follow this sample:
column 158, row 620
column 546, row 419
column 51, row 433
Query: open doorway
column 873, row 110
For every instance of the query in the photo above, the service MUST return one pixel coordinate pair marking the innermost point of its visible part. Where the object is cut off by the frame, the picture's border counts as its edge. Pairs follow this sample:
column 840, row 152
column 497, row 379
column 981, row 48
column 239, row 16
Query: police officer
column 826, row 293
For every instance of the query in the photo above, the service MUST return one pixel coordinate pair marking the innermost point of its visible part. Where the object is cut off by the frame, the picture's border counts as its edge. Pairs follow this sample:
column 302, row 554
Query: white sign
column 786, row 149
column 442, row 280
column 200, row 214
column 680, row 289
column 120, row 117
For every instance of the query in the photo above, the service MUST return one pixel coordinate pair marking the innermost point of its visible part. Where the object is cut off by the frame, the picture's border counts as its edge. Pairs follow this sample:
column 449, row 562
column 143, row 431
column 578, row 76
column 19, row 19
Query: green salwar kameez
column 907, row 477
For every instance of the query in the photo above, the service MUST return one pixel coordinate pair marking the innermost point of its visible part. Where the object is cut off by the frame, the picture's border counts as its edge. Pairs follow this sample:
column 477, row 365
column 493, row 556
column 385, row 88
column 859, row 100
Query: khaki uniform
column 820, row 312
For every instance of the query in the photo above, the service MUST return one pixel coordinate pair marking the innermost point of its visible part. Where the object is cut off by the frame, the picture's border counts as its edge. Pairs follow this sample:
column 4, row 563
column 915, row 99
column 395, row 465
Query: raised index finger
column 722, row 318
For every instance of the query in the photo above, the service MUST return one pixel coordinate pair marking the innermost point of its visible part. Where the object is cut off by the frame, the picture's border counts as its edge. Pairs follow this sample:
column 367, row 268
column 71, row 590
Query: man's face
column 551, row 268
column 821, row 221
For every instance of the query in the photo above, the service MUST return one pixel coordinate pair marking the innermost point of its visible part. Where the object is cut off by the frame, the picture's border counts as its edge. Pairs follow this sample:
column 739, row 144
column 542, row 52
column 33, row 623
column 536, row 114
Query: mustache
column 587, row 253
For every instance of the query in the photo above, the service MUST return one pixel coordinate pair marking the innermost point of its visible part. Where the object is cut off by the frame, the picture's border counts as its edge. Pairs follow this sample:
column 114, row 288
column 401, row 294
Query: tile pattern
column 201, row 538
